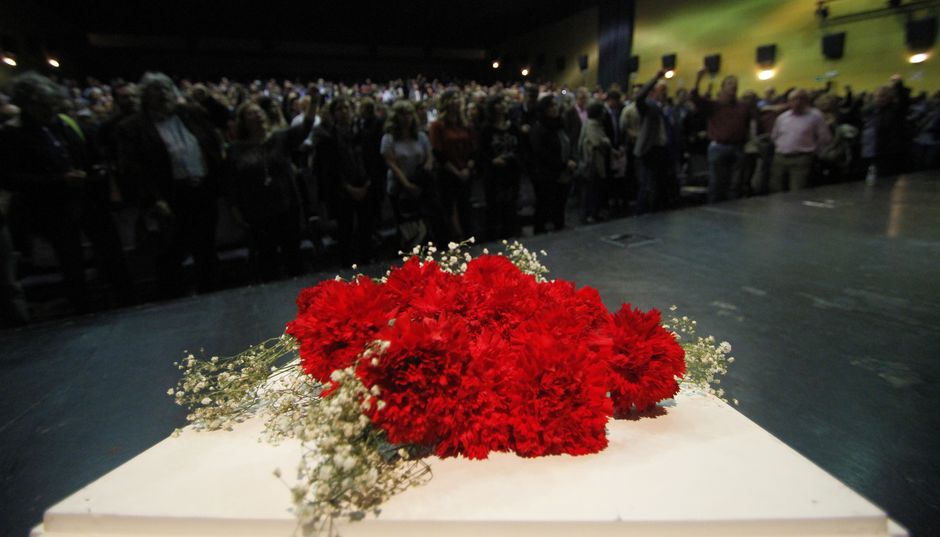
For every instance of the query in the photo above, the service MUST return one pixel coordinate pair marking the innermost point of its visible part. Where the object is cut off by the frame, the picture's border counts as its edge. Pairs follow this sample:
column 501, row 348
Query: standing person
column 47, row 167
column 370, row 128
column 267, row 202
column 553, row 164
column 615, row 194
column 499, row 147
column 407, row 152
column 798, row 134
column 524, row 116
column 927, row 135
column 13, row 308
column 217, row 113
column 655, row 148
column 175, row 154
column 127, row 103
column 834, row 158
column 593, row 154
column 884, row 129
column 729, row 125
column 741, row 185
column 343, row 185
column 576, row 115
column 453, row 144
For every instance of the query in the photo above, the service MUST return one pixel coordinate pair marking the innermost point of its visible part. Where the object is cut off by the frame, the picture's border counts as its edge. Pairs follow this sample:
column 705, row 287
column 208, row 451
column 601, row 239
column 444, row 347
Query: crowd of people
column 434, row 161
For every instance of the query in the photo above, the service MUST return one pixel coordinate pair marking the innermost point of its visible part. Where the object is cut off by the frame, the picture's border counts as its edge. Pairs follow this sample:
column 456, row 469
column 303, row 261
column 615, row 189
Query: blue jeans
column 723, row 162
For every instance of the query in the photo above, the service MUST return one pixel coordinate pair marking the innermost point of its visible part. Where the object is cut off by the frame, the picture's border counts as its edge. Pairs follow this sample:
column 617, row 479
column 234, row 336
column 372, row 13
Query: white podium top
column 701, row 469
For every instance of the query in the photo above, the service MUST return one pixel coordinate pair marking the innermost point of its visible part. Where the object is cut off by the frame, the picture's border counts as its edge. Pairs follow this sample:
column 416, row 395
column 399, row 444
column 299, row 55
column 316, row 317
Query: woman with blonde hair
column 454, row 146
column 407, row 152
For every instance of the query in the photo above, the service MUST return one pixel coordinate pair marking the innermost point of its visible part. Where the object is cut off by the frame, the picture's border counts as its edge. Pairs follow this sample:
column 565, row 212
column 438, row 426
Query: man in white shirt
column 797, row 135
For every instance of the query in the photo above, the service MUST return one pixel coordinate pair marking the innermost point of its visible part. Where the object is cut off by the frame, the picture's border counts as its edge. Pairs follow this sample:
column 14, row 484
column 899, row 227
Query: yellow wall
column 874, row 49
column 571, row 37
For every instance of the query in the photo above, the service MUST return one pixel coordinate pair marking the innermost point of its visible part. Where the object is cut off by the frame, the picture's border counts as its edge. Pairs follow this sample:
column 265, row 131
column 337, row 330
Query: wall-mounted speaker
column 669, row 61
column 713, row 63
column 583, row 62
column 633, row 65
column 767, row 54
column 833, row 45
column 921, row 34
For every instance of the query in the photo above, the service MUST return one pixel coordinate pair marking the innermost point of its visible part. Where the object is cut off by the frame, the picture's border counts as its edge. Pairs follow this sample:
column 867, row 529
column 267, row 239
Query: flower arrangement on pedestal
column 447, row 355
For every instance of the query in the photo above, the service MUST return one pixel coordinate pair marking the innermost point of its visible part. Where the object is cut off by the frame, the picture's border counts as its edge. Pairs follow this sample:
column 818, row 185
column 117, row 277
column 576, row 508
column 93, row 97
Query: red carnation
column 645, row 360
column 335, row 321
column 419, row 375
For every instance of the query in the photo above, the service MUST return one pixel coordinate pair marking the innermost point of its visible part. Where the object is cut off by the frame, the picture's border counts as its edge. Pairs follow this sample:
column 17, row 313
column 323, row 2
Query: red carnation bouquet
column 447, row 355
column 490, row 359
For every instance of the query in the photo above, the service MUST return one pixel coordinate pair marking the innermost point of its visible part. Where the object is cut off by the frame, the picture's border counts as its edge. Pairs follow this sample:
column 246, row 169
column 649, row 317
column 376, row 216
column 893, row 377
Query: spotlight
column 53, row 62
column 669, row 74
column 496, row 64
column 525, row 71
column 765, row 74
column 9, row 60
column 920, row 57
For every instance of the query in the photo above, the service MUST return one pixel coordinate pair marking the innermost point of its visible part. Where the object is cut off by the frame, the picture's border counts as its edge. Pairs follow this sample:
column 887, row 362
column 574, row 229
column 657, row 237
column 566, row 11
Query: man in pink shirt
column 797, row 135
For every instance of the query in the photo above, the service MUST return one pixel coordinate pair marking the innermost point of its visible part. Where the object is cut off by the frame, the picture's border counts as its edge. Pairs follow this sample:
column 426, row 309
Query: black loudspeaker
column 921, row 34
column 833, row 45
column 583, row 62
column 766, row 54
column 633, row 66
column 713, row 63
column 669, row 61
column 560, row 63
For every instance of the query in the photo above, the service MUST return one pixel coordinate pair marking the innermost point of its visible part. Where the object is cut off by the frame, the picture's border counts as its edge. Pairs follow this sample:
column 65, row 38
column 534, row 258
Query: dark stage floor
column 831, row 298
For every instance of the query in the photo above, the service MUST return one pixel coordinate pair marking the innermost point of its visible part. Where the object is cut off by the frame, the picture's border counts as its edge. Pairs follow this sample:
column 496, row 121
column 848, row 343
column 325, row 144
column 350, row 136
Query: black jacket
column 143, row 155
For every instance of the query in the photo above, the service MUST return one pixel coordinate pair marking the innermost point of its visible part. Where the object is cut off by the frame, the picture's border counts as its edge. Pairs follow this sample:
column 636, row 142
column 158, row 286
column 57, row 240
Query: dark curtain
column 616, row 25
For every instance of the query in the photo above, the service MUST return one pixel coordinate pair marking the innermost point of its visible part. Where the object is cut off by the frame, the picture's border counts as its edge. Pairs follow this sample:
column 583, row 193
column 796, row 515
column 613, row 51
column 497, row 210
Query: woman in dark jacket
column 453, row 144
column 342, row 181
column 266, row 196
column 553, row 163
column 499, row 147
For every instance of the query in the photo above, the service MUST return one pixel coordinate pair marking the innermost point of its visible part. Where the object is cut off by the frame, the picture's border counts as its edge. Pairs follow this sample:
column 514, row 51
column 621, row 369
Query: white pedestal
column 700, row 469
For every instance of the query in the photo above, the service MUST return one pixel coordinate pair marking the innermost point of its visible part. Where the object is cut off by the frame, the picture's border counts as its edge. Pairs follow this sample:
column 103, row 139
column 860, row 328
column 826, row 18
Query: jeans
column 723, row 162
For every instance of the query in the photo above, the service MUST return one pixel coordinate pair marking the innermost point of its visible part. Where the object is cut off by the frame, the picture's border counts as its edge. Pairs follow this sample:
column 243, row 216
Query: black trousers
column 195, row 217
column 62, row 222
column 355, row 221
column 275, row 246
column 551, row 197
